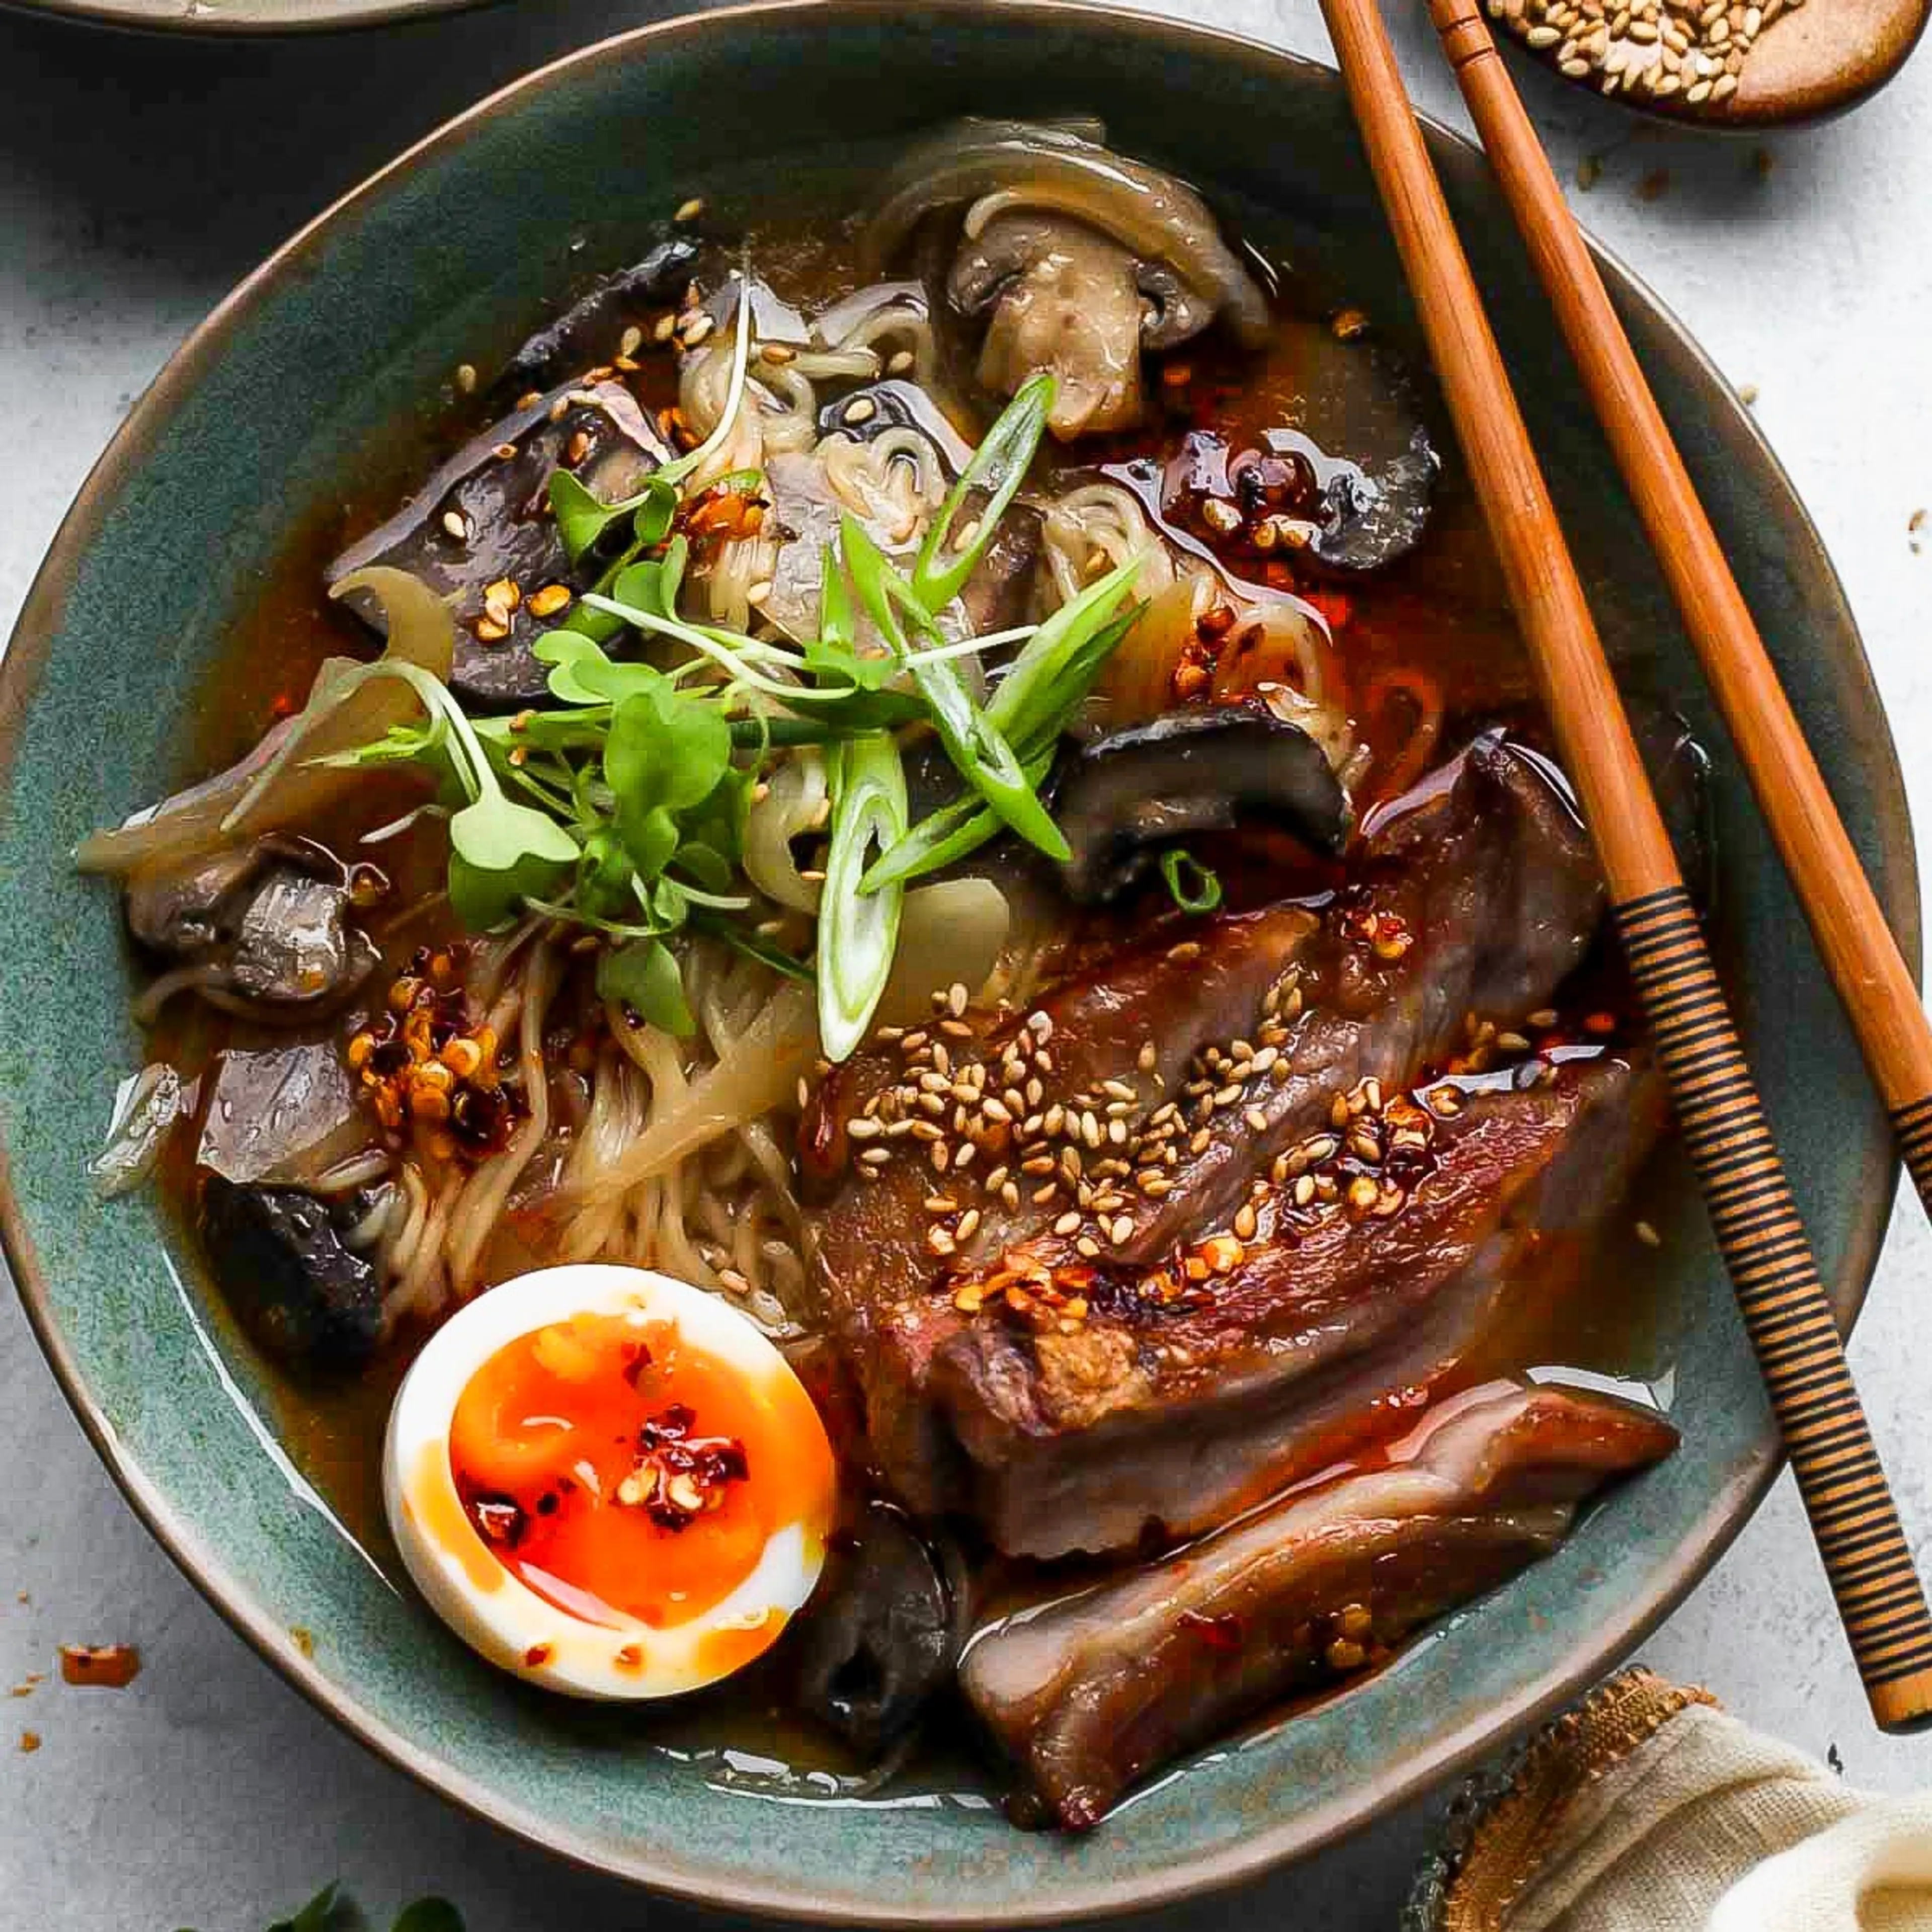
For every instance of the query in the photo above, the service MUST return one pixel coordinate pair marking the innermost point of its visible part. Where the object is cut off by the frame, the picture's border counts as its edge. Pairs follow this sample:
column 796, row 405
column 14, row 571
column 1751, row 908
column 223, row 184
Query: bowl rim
column 253, row 20
column 1306, row 1832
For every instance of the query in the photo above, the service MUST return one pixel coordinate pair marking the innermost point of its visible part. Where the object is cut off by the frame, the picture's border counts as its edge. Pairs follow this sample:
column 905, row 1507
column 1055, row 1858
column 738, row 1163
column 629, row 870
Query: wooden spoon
column 1813, row 60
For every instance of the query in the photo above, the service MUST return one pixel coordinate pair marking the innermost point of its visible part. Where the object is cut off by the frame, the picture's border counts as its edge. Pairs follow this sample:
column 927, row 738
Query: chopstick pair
column 1787, row 1311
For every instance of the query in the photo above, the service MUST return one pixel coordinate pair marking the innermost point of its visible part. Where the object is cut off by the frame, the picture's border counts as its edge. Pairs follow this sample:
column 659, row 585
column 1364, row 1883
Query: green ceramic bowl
column 274, row 406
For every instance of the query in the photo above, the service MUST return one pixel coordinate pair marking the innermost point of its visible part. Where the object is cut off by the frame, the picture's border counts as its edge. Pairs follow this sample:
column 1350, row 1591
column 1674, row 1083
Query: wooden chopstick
column 1859, row 950
column 1787, row 1313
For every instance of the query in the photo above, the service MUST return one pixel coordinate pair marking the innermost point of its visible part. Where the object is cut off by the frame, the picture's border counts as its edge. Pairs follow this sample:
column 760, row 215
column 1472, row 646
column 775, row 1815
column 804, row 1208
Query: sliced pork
column 1120, row 1265
column 1087, row 1695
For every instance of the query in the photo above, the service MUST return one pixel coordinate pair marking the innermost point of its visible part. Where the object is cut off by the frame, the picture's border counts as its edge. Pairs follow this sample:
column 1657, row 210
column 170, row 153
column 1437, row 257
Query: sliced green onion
column 1028, row 695
column 977, row 747
column 947, row 835
column 1194, row 887
column 858, row 932
column 943, row 837
column 998, row 467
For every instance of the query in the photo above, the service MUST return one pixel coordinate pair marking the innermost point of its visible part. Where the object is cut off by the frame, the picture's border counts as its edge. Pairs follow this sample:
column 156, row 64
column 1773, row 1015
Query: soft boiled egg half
column 608, row 1482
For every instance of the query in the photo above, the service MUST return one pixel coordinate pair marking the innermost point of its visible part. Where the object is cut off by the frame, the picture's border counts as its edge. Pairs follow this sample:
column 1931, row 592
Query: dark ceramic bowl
column 276, row 405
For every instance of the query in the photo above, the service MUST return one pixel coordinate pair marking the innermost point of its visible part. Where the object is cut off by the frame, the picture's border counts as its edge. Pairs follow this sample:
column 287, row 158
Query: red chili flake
column 537, row 1656
column 1334, row 606
column 679, row 1476
column 501, row 1520
column 112, row 1667
column 1225, row 1632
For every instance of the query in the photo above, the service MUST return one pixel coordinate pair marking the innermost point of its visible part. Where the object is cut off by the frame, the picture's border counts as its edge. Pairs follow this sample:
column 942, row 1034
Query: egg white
column 507, row 1622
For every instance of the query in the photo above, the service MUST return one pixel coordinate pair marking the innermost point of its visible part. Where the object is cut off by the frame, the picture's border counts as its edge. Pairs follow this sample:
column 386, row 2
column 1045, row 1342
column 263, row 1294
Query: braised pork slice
column 1089, row 1694
column 1115, row 1262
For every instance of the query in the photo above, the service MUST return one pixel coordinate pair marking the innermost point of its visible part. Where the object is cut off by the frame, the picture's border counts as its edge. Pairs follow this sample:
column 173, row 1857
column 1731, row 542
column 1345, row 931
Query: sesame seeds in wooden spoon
column 1726, row 63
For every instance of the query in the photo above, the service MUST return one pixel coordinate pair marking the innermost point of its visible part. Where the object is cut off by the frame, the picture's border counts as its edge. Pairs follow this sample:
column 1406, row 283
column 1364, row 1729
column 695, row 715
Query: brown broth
column 1437, row 616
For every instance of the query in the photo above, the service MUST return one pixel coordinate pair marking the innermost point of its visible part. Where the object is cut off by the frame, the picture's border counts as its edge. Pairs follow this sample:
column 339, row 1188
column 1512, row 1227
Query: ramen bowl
column 279, row 406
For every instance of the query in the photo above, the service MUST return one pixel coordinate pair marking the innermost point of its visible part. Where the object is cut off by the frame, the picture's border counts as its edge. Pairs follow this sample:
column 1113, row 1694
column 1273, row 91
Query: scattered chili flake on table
column 30, row 1741
column 109, row 1666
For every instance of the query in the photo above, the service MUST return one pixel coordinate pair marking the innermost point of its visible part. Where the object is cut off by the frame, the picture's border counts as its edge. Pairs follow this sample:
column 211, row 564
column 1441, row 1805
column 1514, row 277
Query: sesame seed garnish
column 689, row 210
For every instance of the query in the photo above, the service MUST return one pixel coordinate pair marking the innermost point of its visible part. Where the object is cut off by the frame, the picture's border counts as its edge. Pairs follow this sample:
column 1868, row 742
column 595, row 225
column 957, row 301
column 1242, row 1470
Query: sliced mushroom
column 187, row 912
column 264, row 926
column 1006, row 165
column 294, row 947
column 589, row 331
column 482, row 519
column 1063, row 297
column 1124, row 797
column 1359, row 516
column 881, row 1638
column 279, row 1255
column 281, row 1114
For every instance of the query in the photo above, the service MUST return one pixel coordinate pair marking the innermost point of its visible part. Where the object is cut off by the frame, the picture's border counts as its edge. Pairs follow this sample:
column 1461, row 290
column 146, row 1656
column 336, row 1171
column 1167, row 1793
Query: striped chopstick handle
column 1785, row 1307
column 1913, row 1125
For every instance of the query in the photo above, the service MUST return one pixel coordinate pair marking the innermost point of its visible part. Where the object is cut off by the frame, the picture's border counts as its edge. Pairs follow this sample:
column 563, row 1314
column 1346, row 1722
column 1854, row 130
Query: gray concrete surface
column 138, row 179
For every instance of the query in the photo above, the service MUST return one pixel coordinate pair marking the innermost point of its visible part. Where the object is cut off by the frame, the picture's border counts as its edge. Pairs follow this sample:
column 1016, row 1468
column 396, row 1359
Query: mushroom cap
column 1126, row 796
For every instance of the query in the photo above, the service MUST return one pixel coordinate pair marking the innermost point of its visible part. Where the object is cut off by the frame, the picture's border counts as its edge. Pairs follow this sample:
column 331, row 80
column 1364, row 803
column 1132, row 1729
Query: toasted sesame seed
column 861, row 409
column 689, row 210
column 457, row 524
column 1245, row 1222
column 1649, row 1235
column 1068, row 1223
column 466, row 377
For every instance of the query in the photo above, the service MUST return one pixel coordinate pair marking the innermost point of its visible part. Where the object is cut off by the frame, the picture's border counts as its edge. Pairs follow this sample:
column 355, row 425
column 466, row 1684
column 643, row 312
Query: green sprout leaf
column 583, row 520
column 644, row 977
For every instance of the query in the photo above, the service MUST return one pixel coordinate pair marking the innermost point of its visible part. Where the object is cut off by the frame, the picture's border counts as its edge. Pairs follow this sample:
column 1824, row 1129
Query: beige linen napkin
column 1646, row 1809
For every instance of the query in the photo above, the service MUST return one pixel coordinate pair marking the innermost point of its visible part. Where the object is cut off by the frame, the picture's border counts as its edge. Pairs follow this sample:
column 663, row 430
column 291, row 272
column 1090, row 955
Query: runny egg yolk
column 621, row 1473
